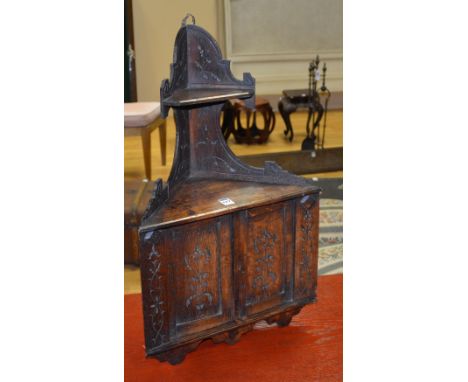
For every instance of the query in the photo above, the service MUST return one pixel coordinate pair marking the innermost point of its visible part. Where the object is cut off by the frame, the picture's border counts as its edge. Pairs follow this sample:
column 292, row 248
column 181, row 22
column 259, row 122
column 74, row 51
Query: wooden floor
column 134, row 167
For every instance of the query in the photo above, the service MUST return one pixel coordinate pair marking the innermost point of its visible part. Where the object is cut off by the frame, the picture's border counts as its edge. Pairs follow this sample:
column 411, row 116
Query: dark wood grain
column 218, row 240
column 200, row 198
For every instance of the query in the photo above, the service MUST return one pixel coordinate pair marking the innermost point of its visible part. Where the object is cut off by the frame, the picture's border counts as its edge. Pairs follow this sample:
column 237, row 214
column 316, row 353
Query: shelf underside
column 185, row 97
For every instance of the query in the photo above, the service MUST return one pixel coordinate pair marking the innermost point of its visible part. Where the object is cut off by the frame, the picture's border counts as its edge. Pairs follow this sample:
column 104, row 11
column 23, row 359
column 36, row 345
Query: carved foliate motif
column 155, row 307
column 265, row 275
column 197, row 61
column 204, row 63
column 305, row 254
column 196, row 264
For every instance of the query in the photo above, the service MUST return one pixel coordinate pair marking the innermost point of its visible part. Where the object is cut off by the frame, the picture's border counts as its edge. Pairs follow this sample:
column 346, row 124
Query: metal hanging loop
column 184, row 21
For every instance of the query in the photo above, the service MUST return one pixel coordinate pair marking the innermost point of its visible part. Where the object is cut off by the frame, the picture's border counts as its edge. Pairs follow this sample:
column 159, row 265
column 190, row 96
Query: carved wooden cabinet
column 223, row 245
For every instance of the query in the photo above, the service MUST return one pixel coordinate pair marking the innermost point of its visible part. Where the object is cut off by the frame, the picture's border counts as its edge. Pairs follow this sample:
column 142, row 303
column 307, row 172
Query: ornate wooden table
column 223, row 244
column 301, row 98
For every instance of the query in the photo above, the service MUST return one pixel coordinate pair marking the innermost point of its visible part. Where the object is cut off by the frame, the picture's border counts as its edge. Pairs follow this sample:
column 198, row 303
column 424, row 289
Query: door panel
column 263, row 257
column 201, row 275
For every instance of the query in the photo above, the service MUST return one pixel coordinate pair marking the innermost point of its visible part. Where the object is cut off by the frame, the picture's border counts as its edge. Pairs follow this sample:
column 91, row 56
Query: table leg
column 286, row 108
column 311, row 112
column 317, row 121
column 227, row 125
column 162, row 142
column 272, row 116
column 309, row 141
column 146, row 142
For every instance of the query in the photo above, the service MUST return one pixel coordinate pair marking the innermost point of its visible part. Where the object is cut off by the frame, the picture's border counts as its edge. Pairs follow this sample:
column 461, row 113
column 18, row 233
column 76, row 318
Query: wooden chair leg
column 162, row 142
column 146, row 141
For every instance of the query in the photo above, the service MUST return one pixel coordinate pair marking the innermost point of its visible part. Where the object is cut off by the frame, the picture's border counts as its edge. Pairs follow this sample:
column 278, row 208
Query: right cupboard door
column 306, row 247
column 263, row 260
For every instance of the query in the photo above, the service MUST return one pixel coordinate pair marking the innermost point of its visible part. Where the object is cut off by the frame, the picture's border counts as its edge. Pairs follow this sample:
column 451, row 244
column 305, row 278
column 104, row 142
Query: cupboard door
column 201, row 275
column 263, row 257
column 306, row 256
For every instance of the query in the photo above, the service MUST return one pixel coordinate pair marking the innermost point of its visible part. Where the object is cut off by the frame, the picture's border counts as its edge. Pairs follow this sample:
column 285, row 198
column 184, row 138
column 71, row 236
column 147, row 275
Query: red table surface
column 309, row 349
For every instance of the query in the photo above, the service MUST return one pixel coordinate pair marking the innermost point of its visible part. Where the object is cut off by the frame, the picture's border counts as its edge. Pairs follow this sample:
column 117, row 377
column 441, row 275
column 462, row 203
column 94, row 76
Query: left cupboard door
column 201, row 275
column 186, row 280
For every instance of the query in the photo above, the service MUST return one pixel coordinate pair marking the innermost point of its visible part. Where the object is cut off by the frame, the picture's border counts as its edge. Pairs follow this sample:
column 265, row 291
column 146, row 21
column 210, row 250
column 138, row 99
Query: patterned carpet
column 331, row 226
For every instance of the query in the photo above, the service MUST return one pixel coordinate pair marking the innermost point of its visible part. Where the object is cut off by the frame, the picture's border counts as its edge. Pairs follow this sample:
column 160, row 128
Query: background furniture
column 250, row 133
column 142, row 118
column 137, row 194
column 223, row 245
column 300, row 98
column 309, row 349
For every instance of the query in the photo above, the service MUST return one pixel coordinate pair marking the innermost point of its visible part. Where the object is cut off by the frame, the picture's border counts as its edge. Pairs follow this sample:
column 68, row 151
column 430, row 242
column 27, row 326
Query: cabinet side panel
column 289, row 237
column 154, row 278
column 306, row 253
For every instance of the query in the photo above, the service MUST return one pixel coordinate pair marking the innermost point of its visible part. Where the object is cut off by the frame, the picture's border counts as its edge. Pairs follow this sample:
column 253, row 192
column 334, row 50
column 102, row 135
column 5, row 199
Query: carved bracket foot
column 233, row 336
column 177, row 355
column 283, row 319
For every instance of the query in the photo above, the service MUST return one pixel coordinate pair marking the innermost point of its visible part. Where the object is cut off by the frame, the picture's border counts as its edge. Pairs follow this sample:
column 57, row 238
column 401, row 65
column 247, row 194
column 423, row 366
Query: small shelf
column 185, row 97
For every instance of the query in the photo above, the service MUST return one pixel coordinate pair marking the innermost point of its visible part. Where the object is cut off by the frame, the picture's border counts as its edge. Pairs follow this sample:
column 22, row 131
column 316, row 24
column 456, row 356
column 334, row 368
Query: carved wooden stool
column 251, row 133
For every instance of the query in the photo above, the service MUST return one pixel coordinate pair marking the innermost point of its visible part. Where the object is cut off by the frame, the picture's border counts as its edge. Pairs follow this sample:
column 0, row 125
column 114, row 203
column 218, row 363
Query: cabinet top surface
column 198, row 199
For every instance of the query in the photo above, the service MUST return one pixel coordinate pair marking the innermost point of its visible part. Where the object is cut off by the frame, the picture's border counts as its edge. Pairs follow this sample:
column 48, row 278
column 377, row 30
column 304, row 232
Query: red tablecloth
column 309, row 349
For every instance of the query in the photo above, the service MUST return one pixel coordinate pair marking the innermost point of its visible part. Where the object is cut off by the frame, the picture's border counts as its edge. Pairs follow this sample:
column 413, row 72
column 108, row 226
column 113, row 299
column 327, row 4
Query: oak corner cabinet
column 223, row 245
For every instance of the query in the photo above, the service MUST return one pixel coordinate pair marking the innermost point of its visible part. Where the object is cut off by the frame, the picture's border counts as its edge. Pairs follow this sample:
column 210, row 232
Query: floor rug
column 331, row 226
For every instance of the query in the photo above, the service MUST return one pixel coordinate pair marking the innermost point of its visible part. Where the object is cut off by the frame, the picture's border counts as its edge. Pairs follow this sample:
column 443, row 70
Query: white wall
column 273, row 39
column 276, row 39
column 156, row 23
